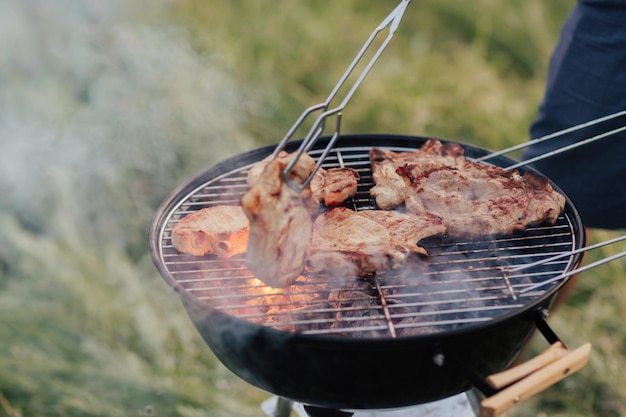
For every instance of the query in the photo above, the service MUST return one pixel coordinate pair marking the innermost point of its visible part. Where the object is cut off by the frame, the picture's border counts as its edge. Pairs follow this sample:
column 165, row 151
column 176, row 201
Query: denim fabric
column 587, row 80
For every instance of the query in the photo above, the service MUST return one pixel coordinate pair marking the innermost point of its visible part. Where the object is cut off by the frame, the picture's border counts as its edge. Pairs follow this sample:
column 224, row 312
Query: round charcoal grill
column 447, row 320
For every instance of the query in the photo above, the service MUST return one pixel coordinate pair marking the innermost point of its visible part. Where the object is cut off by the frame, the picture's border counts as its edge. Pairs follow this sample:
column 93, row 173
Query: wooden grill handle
column 533, row 376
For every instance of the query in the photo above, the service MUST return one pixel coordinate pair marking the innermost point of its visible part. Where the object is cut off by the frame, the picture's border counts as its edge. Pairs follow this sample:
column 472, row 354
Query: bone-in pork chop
column 331, row 186
column 280, row 222
column 351, row 243
column 220, row 230
column 472, row 199
column 334, row 186
column 390, row 189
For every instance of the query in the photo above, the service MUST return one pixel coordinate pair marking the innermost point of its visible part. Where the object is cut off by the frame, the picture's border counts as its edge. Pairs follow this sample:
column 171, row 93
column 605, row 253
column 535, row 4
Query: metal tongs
column 393, row 20
column 566, row 254
column 557, row 134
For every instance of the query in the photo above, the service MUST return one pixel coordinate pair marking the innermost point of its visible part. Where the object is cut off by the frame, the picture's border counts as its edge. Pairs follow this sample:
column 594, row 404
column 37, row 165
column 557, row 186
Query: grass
column 106, row 107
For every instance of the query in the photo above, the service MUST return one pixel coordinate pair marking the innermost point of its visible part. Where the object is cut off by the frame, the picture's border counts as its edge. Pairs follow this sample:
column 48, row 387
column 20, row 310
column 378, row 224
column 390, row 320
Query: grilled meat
column 546, row 204
column 390, row 190
column 280, row 222
column 221, row 230
column 471, row 198
column 351, row 243
column 300, row 171
column 329, row 186
column 407, row 229
column 335, row 185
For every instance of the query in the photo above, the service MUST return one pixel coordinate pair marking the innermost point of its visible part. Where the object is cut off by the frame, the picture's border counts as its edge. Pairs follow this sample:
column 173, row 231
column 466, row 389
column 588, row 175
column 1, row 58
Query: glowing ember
column 265, row 289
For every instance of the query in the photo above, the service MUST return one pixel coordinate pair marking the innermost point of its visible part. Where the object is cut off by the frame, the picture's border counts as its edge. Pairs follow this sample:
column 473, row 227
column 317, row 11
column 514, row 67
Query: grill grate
column 460, row 284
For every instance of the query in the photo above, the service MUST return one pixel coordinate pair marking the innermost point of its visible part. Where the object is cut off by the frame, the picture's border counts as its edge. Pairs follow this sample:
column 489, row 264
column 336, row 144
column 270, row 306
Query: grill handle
column 514, row 385
column 523, row 381
column 505, row 389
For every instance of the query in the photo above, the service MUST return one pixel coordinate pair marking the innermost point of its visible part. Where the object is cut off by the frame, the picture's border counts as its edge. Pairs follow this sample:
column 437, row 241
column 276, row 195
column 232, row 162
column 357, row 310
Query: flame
column 265, row 289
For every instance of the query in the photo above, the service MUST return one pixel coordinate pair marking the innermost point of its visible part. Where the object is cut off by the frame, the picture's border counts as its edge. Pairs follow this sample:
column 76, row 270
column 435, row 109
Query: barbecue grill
column 449, row 320
column 434, row 328
column 463, row 282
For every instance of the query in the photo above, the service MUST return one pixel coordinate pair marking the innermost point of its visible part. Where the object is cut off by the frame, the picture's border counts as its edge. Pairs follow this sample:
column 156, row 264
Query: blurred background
column 105, row 107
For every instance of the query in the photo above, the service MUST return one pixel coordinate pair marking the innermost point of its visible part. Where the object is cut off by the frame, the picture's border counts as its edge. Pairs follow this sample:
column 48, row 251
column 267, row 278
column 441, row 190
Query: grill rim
column 179, row 195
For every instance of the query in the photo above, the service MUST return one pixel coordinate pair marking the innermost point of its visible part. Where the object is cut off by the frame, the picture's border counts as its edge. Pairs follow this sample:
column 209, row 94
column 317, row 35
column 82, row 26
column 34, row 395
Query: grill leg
column 283, row 407
column 277, row 407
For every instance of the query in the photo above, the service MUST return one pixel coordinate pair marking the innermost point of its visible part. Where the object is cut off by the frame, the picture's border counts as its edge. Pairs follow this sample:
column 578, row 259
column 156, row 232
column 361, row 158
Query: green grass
column 106, row 107
column 471, row 72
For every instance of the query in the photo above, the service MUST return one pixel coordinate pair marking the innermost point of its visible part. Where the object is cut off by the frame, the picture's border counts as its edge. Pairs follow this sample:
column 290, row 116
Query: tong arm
column 392, row 21
column 574, row 271
column 555, row 135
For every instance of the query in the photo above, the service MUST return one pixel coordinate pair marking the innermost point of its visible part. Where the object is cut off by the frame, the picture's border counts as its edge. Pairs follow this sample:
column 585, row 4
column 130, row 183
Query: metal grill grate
column 461, row 282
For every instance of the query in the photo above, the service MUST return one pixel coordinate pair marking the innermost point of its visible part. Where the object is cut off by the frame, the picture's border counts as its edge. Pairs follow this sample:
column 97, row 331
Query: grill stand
column 461, row 405
column 500, row 391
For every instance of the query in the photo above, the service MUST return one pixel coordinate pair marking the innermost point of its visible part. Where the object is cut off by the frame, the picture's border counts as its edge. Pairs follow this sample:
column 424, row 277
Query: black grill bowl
column 332, row 371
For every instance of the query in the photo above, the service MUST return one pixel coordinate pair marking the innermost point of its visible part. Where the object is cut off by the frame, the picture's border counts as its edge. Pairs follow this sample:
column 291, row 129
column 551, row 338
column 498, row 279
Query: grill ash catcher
column 432, row 331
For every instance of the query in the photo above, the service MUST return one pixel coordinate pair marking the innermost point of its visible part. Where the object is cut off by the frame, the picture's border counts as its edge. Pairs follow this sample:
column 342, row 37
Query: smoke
column 104, row 109
column 101, row 115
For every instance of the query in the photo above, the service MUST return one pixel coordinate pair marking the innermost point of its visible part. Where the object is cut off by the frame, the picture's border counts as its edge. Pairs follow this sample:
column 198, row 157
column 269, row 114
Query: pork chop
column 408, row 229
column 390, row 189
column 351, row 243
column 219, row 230
column 334, row 186
column 475, row 199
column 280, row 222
